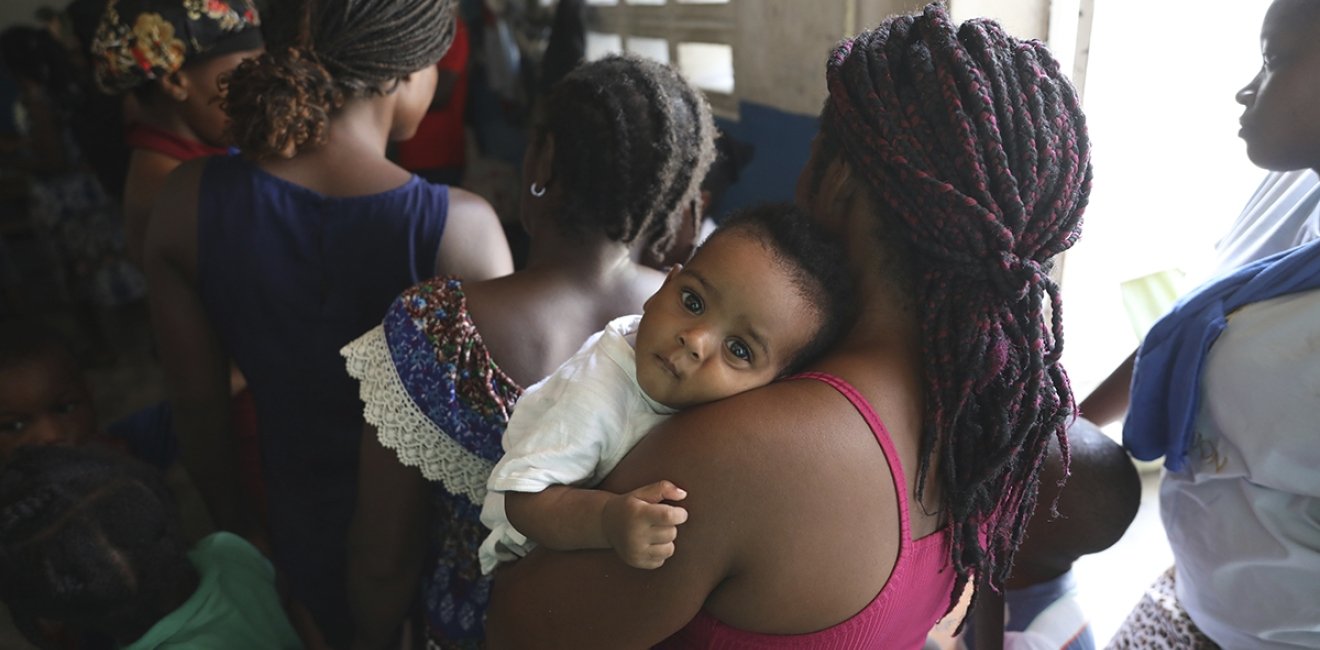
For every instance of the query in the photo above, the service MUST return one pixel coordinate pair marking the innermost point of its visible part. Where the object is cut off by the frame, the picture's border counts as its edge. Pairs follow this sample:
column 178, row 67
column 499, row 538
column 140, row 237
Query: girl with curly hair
column 278, row 257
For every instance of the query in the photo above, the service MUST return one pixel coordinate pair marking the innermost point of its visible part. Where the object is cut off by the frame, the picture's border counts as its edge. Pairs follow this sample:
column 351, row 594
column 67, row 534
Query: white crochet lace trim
column 401, row 425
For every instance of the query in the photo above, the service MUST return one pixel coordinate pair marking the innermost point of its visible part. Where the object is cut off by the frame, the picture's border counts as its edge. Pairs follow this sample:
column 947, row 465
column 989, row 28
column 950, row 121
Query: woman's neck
column 362, row 124
column 584, row 257
column 886, row 310
column 156, row 116
column 358, row 132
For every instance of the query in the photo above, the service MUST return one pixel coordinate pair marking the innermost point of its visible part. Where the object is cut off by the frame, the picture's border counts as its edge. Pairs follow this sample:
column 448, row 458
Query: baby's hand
column 640, row 528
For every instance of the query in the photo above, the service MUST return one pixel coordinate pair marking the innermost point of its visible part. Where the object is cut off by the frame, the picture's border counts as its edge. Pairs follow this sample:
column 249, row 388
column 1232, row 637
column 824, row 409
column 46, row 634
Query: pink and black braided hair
column 975, row 148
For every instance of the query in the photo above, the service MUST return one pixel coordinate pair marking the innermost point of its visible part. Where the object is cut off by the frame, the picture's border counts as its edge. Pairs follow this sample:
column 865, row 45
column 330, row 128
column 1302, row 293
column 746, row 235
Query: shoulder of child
column 230, row 551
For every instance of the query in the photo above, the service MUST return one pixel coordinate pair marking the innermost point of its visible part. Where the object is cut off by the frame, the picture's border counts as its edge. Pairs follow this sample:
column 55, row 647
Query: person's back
column 280, row 257
column 177, row 99
column 289, row 275
column 441, row 373
column 849, row 507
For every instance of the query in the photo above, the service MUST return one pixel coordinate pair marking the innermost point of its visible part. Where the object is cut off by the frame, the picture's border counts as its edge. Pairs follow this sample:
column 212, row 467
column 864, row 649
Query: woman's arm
column 196, row 370
column 590, row 599
column 386, row 543
column 1109, row 401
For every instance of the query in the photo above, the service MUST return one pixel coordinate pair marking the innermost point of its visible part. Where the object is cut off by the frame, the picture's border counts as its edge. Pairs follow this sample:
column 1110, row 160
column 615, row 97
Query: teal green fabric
column 235, row 605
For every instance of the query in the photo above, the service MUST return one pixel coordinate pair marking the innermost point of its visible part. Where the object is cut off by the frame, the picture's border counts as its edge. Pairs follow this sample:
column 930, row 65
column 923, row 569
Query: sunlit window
column 708, row 66
column 601, row 45
column 651, row 48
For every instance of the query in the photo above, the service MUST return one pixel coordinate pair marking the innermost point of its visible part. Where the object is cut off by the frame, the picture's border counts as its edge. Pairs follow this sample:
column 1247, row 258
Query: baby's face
column 44, row 401
column 730, row 321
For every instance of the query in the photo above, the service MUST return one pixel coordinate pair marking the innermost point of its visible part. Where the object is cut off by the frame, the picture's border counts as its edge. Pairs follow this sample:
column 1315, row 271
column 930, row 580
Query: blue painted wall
column 783, row 144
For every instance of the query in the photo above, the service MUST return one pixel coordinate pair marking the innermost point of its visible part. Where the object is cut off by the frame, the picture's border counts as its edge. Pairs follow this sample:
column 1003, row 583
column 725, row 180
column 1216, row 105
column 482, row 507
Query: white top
column 571, row 428
column 1283, row 213
column 1244, row 516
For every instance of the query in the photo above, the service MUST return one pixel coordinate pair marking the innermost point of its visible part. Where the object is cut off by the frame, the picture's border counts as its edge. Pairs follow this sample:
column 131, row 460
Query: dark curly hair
column 88, row 538
column 633, row 140
column 813, row 260
column 283, row 100
column 974, row 147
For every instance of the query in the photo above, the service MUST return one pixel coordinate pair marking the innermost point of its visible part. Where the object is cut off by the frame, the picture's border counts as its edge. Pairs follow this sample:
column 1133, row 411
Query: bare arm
column 195, row 366
column 589, row 599
column 637, row 525
column 1109, row 401
column 473, row 246
column 148, row 171
column 386, row 544
column 988, row 618
column 774, row 504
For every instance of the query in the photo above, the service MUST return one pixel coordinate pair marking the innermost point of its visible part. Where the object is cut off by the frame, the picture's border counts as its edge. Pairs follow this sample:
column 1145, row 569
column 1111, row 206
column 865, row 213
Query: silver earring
column 538, row 191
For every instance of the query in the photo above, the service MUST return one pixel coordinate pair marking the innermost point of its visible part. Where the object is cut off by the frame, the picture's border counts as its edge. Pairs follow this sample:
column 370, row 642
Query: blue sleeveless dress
column 288, row 276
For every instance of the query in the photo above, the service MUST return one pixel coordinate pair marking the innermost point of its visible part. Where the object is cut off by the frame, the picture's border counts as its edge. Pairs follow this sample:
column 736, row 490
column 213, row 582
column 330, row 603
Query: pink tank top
column 913, row 599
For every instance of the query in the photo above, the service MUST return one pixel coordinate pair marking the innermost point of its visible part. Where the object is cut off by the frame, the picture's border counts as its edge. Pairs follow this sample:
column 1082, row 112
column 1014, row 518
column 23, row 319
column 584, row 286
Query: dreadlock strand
column 976, row 146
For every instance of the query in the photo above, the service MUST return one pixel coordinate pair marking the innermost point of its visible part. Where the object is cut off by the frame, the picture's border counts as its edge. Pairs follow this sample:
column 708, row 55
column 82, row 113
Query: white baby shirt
column 571, row 428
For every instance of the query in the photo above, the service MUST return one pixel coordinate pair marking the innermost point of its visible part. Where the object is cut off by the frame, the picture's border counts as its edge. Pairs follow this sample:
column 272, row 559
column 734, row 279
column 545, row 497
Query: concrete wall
column 782, row 46
column 13, row 12
column 779, row 62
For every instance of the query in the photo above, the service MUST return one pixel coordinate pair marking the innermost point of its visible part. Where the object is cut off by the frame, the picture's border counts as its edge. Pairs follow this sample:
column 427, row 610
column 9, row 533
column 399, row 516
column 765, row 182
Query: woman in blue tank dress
column 279, row 257
column 620, row 152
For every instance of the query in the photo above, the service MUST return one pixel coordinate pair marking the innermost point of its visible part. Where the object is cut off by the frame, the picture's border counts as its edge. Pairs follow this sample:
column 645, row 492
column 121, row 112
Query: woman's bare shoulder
column 739, row 440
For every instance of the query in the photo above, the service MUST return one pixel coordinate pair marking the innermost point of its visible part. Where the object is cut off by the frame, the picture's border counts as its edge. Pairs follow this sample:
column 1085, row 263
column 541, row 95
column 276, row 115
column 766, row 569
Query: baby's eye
column 691, row 301
column 739, row 350
column 11, row 426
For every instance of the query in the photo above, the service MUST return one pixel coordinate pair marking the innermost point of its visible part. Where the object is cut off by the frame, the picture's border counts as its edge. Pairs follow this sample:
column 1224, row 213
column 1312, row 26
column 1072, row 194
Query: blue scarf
column 1167, row 377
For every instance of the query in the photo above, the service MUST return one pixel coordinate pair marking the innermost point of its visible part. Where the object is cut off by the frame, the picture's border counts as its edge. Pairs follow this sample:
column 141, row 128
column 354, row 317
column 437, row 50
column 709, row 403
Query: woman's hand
column 640, row 527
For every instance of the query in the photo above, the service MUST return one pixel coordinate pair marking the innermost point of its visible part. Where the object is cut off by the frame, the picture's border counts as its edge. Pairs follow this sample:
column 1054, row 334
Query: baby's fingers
column 660, row 491
column 663, row 515
column 655, row 556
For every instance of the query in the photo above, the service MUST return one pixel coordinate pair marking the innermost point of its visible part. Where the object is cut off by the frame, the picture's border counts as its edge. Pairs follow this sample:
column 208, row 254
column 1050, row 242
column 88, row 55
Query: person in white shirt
column 1225, row 388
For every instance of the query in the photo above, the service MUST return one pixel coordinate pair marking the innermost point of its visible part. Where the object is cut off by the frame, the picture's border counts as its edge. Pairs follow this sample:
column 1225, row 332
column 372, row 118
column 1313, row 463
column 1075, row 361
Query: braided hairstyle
column 283, row 100
column 87, row 537
column 974, row 148
column 632, row 142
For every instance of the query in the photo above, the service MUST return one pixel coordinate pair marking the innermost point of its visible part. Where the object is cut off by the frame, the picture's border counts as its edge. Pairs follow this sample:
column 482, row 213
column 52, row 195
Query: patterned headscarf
column 143, row 40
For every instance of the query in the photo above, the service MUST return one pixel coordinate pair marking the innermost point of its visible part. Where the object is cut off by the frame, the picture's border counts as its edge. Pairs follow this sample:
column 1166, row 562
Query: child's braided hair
column 975, row 150
column 632, row 143
column 282, row 100
column 86, row 537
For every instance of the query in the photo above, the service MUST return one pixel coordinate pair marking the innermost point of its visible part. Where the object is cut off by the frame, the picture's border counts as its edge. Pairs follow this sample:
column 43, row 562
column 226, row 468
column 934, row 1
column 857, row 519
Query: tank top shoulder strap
column 886, row 444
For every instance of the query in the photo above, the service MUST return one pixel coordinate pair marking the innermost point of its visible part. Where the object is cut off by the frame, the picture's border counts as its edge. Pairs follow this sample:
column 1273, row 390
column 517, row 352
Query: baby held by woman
column 759, row 299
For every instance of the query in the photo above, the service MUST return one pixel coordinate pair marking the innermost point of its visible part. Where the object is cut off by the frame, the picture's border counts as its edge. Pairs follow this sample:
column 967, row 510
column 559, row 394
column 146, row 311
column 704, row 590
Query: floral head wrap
column 143, row 40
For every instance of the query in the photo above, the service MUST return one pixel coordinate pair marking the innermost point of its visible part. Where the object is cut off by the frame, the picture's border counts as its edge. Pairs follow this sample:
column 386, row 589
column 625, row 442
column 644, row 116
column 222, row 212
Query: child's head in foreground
column 44, row 398
column 1281, row 102
column 762, row 296
column 1095, row 507
column 89, row 541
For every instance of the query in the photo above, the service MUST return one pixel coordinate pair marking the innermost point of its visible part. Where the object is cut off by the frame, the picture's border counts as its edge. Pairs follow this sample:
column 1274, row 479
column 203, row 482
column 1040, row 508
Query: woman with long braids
column 620, row 152
column 849, row 507
column 278, row 257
